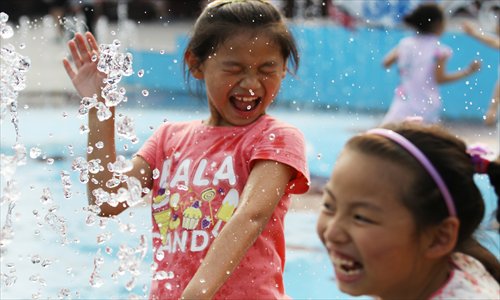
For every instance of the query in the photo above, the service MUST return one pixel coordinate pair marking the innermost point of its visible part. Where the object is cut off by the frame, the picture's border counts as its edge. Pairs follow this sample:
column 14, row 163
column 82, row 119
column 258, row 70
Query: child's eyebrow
column 231, row 63
column 355, row 204
column 367, row 205
column 329, row 192
column 271, row 63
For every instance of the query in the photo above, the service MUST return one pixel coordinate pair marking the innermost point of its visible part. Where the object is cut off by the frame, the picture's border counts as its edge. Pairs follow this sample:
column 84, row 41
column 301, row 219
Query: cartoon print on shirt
column 165, row 213
column 208, row 195
column 226, row 210
column 191, row 216
column 188, row 207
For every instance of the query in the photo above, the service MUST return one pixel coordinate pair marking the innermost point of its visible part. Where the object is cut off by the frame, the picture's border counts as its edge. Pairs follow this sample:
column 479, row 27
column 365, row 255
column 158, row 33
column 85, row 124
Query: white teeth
column 246, row 99
column 350, row 272
column 344, row 262
column 345, row 266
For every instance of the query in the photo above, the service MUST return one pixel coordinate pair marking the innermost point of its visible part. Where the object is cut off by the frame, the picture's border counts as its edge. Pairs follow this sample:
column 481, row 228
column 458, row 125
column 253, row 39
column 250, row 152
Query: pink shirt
column 418, row 93
column 469, row 280
column 202, row 173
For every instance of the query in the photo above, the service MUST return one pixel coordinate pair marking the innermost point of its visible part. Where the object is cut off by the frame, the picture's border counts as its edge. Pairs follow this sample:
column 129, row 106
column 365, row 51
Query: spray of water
column 115, row 65
column 13, row 77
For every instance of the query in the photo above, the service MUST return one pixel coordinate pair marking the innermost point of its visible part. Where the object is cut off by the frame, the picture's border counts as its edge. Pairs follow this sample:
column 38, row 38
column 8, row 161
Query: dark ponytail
column 493, row 172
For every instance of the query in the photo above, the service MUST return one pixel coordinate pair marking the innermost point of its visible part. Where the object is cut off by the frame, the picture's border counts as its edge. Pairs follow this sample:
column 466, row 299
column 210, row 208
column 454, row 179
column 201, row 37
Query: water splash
column 115, row 65
column 130, row 260
column 95, row 279
column 13, row 80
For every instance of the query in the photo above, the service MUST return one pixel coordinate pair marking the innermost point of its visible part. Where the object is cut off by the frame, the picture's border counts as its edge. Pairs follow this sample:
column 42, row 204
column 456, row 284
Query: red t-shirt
column 202, row 171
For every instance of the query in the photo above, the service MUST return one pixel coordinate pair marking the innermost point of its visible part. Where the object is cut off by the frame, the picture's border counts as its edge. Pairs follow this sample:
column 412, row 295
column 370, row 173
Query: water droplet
column 46, row 197
column 35, row 259
column 84, row 129
column 145, row 93
column 140, row 73
column 35, row 152
column 160, row 255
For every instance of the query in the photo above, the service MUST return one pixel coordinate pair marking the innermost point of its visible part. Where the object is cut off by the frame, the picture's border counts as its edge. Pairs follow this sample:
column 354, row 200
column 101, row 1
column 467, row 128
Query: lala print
column 176, row 204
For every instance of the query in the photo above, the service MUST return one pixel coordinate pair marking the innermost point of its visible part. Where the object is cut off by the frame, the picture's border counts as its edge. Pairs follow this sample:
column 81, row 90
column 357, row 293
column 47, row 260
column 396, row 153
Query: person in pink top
column 421, row 61
column 400, row 214
column 220, row 186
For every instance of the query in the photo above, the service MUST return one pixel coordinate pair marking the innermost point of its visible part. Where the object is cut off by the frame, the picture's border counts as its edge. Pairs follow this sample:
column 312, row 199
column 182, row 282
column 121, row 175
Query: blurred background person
column 494, row 42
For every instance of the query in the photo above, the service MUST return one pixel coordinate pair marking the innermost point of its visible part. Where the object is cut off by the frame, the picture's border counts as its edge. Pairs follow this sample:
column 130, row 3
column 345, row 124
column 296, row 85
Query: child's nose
column 250, row 82
column 335, row 232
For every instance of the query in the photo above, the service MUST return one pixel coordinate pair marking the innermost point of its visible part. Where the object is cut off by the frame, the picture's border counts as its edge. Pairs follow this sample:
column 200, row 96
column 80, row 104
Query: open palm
column 83, row 73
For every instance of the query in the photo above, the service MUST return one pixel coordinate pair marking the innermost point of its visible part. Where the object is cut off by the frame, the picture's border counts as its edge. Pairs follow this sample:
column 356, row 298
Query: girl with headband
column 399, row 217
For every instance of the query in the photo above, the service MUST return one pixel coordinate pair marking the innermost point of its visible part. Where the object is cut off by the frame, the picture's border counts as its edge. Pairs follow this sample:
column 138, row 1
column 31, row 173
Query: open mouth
column 347, row 266
column 245, row 104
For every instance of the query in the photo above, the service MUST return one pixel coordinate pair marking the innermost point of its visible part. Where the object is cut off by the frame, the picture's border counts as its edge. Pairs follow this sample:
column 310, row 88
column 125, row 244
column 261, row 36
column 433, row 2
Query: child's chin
column 350, row 291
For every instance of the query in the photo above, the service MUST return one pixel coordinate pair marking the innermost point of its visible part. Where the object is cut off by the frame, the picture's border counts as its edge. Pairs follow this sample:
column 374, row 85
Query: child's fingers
column 92, row 42
column 82, row 47
column 74, row 53
column 68, row 68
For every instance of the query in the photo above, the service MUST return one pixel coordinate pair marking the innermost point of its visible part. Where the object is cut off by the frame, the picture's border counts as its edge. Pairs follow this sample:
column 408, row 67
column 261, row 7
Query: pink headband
column 415, row 152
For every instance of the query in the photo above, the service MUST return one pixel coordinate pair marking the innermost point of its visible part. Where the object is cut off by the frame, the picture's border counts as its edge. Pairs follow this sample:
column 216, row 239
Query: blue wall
column 342, row 68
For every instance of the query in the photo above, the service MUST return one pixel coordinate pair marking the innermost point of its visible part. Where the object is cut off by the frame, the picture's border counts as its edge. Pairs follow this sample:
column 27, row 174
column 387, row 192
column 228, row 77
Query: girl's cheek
column 321, row 227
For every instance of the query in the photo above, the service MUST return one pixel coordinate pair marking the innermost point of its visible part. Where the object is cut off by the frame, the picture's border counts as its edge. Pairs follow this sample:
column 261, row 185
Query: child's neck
column 426, row 284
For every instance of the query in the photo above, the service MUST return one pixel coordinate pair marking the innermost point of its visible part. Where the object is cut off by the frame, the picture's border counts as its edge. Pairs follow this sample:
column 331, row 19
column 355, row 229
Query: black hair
column 425, row 18
column 424, row 200
column 221, row 20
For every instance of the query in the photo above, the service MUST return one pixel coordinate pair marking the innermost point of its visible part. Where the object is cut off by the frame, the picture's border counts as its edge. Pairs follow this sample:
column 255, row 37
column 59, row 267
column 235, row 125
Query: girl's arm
column 265, row 187
column 390, row 58
column 488, row 39
column 443, row 77
column 88, row 82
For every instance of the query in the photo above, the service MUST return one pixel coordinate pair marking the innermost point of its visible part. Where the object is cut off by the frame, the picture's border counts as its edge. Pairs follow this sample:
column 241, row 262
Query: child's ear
column 285, row 69
column 443, row 238
column 193, row 65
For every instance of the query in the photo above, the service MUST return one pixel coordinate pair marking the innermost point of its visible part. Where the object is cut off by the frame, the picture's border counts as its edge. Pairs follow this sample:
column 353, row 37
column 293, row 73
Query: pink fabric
column 418, row 92
column 203, row 171
column 469, row 280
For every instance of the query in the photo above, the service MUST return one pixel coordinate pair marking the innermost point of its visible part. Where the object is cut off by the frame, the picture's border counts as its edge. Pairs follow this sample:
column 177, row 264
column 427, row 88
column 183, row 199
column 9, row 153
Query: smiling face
column 370, row 236
column 242, row 78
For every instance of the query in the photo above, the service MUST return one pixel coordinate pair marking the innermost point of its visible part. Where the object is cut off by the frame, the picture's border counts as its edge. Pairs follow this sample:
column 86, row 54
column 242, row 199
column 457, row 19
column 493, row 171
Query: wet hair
column 221, row 20
column 425, row 18
column 422, row 197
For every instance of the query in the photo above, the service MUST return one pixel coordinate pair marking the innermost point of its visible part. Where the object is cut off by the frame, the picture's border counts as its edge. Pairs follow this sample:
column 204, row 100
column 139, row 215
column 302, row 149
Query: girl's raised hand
column 468, row 27
column 84, row 74
column 474, row 66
